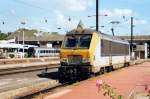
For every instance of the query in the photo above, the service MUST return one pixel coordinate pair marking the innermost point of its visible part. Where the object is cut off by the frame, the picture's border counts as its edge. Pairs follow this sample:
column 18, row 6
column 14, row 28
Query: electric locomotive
column 86, row 51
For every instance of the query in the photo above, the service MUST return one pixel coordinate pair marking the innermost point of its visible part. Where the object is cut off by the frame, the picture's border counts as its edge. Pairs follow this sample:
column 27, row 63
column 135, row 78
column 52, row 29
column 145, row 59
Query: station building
column 141, row 49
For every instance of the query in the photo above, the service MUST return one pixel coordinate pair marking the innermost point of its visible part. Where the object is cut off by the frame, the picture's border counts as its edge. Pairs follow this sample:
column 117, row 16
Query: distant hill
column 34, row 35
column 28, row 33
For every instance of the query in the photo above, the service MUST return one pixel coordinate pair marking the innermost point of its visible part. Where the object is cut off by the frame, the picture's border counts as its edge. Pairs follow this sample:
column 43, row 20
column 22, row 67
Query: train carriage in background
column 46, row 52
column 86, row 52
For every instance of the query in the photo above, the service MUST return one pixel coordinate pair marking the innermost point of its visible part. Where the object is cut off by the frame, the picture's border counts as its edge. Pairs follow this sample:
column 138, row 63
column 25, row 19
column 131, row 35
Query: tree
column 3, row 36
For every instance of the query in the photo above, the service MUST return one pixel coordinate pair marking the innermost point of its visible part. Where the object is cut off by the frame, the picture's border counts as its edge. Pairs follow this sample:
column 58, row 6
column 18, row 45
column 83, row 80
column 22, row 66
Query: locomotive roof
column 91, row 31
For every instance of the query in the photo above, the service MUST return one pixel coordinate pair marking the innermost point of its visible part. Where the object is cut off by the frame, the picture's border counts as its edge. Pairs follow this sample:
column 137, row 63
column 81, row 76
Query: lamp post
column 23, row 23
column 97, row 17
column 131, row 43
column 131, row 38
column 18, row 39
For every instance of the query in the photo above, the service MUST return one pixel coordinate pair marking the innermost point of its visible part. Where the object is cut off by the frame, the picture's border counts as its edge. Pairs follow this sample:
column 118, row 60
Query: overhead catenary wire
column 32, row 5
column 26, row 4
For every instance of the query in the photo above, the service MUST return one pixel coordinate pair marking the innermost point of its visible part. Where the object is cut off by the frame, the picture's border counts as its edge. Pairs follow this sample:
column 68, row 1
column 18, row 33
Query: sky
column 49, row 15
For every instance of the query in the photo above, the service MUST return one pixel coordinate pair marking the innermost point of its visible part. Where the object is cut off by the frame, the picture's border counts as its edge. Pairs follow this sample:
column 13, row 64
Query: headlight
column 85, row 60
column 64, row 60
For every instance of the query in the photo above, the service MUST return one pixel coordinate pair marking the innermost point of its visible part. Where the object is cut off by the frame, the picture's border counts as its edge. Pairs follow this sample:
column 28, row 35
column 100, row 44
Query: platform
column 124, row 80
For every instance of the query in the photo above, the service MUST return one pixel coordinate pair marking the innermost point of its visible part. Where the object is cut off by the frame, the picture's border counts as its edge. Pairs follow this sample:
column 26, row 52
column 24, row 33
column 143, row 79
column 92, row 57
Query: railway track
column 26, row 60
column 27, row 67
column 30, row 91
column 47, row 90
column 22, row 84
column 43, row 66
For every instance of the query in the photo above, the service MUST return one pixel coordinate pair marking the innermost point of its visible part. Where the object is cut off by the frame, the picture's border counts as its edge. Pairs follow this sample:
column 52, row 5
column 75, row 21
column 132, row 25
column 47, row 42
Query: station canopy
column 13, row 45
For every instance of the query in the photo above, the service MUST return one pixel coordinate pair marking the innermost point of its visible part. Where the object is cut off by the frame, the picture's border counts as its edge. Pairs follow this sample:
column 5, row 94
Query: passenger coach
column 46, row 52
column 86, row 52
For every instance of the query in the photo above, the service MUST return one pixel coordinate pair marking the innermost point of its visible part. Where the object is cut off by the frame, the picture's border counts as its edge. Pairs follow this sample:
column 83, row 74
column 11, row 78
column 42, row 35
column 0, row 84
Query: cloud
column 137, row 22
column 123, row 12
column 140, row 22
column 76, row 5
column 13, row 12
column 118, row 12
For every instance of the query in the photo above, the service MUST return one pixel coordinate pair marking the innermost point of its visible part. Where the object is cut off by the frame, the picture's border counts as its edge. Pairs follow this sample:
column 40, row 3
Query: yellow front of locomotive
column 78, row 49
column 74, row 57
column 77, row 52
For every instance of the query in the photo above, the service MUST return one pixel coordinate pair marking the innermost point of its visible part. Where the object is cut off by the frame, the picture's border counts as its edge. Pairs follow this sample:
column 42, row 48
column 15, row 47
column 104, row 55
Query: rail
column 26, row 67
column 26, row 60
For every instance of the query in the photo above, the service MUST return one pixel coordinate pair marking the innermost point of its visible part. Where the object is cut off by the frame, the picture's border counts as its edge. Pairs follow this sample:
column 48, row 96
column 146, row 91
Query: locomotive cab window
column 85, row 41
column 71, row 42
column 77, row 41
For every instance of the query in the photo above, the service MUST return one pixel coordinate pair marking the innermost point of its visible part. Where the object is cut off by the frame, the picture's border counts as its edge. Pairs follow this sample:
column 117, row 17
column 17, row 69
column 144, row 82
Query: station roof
column 137, row 38
column 44, row 38
column 14, row 45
